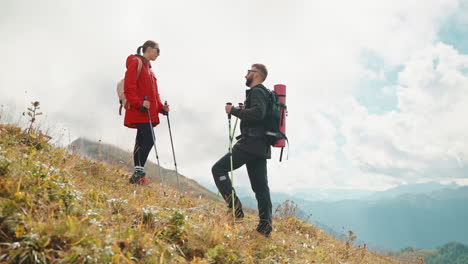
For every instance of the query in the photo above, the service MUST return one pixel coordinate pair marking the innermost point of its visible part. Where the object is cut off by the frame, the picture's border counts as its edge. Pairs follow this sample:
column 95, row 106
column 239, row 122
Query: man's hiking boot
column 264, row 228
column 138, row 177
column 239, row 214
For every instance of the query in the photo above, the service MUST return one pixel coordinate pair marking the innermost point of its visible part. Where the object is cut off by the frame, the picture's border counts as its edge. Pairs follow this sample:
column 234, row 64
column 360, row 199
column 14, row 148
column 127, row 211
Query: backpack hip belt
column 255, row 132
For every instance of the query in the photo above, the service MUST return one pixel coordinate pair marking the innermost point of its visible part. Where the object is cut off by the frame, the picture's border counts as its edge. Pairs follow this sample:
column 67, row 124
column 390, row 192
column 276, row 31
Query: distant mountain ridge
column 417, row 215
column 420, row 188
column 319, row 194
column 424, row 220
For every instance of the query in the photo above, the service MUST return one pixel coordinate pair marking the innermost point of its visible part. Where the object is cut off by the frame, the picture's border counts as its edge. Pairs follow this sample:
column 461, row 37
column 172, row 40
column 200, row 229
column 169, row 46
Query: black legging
column 143, row 144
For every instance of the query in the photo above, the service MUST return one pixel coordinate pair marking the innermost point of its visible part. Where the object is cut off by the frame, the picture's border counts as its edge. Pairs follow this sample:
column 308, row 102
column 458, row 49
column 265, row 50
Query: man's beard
column 248, row 82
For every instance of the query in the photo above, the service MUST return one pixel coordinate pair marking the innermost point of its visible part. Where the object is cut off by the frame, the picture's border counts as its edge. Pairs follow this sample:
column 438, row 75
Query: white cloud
column 426, row 137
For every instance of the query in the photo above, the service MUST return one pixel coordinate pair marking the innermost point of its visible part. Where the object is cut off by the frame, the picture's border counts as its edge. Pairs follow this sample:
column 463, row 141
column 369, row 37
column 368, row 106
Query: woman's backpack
column 121, row 89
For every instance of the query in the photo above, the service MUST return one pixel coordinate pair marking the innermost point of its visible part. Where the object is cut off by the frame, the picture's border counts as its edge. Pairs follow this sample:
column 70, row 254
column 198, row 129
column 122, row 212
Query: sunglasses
column 249, row 71
column 157, row 49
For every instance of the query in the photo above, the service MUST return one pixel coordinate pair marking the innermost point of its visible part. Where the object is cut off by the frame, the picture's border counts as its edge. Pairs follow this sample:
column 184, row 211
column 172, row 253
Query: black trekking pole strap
column 282, row 148
column 143, row 109
column 229, row 115
column 230, row 132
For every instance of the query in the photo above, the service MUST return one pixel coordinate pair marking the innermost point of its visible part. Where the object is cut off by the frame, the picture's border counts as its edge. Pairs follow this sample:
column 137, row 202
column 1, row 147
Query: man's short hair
column 262, row 69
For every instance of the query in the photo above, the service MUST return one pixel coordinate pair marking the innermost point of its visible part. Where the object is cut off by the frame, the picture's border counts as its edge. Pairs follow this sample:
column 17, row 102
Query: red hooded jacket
column 136, row 90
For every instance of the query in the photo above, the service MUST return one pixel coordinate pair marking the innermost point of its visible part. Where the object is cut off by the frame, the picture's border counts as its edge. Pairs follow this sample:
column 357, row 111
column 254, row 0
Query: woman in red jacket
column 141, row 83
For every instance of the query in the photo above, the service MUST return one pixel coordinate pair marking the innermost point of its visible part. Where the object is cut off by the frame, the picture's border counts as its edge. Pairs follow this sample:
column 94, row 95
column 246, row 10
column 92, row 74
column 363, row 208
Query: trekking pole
column 231, row 133
column 173, row 152
column 241, row 105
column 156, row 150
column 232, row 166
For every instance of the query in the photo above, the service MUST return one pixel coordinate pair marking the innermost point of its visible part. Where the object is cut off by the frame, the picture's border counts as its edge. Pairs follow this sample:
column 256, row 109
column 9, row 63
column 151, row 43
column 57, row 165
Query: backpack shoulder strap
column 140, row 64
column 266, row 93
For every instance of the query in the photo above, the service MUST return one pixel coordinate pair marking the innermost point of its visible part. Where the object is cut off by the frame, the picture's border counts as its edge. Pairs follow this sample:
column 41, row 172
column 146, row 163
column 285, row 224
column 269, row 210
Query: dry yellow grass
column 60, row 208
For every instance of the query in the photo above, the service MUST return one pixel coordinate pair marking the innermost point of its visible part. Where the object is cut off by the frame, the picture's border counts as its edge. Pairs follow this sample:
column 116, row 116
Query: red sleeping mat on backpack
column 280, row 89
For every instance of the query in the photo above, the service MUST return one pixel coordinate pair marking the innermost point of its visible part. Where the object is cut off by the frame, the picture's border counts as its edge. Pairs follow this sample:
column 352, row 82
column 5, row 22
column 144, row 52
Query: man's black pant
column 257, row 170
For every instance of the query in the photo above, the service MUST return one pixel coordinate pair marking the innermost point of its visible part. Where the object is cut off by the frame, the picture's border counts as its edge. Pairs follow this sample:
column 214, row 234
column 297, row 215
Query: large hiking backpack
column 121, row 89
column 275, row 120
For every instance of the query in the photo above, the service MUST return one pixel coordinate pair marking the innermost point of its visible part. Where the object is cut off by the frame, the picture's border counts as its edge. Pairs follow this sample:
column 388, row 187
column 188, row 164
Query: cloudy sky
column 377, row 90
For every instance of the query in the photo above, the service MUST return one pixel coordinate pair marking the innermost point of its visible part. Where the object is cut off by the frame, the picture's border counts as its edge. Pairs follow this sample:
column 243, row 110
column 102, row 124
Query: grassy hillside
column 117, row 157
column 56, row 207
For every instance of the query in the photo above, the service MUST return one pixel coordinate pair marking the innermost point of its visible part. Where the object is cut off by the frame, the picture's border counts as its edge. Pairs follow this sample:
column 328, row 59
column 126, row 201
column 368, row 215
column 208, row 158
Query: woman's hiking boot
column 138, row 177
